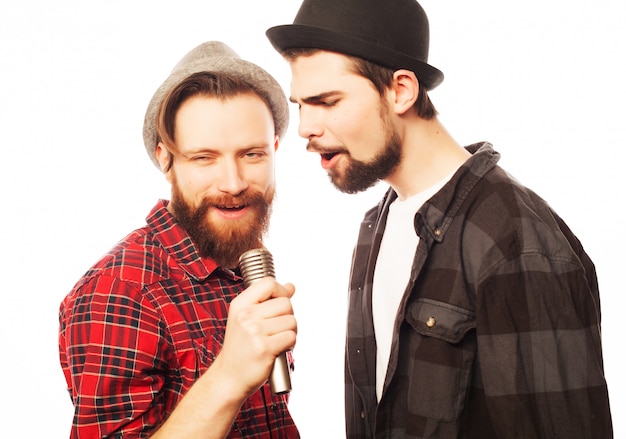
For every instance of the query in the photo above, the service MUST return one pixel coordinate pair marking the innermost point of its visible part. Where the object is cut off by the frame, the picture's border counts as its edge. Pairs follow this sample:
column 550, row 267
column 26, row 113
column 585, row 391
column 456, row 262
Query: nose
column 310, row 125
column 231, row 178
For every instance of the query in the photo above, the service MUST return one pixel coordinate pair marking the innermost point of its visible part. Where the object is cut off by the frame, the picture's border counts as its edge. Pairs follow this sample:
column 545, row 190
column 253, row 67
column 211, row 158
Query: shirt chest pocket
column 197, row 337
column 441, row 349
column 207, row 347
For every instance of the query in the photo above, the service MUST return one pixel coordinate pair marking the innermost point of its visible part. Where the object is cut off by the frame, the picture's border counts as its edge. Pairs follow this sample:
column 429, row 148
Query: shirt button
column 431, row 322
column 437, row 231
column 362, row 414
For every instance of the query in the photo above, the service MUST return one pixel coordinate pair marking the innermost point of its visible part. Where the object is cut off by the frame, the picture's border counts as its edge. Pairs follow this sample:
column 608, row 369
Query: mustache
column 314, row 146
column 246, row 198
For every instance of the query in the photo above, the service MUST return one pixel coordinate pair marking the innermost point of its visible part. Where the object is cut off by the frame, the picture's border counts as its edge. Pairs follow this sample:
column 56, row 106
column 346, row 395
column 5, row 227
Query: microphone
column 254, row 265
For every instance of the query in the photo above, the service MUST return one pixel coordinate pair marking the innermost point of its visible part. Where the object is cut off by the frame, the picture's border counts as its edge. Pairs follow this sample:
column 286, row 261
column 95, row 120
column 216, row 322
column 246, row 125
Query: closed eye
column 330, row 103
column 202, row 158
column 329, row 99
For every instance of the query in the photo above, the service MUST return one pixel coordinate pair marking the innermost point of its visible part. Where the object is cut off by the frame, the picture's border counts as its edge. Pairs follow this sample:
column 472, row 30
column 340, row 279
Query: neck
column 429, row 154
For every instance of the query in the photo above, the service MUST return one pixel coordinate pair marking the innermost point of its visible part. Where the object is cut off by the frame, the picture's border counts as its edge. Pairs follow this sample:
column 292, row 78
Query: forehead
column 324, row 72
column 241, row 119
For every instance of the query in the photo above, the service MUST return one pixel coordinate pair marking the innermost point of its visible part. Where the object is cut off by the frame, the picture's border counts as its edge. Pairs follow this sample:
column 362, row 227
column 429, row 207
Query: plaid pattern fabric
column 141, row 326
column 498, row 333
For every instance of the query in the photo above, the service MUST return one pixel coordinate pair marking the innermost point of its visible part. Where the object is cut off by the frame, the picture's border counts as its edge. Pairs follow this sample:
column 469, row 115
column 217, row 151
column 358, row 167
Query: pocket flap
column 440, row 320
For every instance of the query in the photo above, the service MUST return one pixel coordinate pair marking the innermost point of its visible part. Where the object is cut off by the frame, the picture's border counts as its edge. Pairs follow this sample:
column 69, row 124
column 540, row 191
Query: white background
column 542, row 80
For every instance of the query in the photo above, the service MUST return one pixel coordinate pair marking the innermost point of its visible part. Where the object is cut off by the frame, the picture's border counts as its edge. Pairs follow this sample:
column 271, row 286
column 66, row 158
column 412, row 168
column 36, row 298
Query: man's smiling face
column 222, row 174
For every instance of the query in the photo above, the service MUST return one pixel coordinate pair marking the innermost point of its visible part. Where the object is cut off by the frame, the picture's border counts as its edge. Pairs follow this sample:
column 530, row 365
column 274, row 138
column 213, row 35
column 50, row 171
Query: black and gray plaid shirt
column 498, row 333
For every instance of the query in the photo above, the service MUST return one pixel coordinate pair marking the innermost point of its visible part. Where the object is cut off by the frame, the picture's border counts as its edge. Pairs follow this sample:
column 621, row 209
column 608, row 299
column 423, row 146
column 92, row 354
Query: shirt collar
column 177, row 242
column 436, row 214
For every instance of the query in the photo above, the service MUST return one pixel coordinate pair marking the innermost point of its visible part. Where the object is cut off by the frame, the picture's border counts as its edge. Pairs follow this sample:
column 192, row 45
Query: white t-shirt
column 392, row 272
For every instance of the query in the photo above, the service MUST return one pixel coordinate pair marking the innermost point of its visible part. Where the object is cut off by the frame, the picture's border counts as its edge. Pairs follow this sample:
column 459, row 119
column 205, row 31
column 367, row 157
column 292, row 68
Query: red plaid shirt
column 139, row 329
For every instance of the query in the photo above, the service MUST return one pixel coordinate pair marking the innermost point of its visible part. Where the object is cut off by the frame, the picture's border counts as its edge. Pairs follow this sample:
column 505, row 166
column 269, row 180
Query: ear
column 276, row 142
column 162, row 155
column 405, row 90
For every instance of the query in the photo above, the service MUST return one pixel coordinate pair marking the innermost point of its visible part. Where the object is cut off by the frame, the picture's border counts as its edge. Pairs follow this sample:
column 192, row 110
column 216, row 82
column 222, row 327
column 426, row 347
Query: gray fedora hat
column 392, row 33
column 217, row 57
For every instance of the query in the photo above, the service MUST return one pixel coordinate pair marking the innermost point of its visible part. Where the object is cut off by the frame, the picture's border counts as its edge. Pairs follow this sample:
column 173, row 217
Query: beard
column 224, row 241
column 359, row 175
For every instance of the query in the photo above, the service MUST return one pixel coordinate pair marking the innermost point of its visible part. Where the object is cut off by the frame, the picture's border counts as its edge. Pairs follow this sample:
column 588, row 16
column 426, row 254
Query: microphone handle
column 256, row 264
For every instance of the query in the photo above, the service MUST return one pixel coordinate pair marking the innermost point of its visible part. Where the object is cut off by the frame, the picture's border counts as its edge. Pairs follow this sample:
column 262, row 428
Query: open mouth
column 329, row 159
column 231, row 208
column 231, row 212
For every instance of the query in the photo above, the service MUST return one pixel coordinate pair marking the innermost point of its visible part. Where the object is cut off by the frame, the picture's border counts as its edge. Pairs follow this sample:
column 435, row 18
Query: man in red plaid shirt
column 159, row 338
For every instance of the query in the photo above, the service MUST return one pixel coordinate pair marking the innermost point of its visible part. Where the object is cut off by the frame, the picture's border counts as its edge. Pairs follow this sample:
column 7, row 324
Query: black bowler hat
column 392, row 33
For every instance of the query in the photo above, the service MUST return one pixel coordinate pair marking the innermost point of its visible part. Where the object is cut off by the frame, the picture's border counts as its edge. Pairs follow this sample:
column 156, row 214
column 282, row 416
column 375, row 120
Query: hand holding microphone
column 256, row 264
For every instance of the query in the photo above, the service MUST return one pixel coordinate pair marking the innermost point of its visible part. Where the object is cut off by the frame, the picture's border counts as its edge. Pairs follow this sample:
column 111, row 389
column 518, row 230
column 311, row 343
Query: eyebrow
column 217, row 150
column 312, row 100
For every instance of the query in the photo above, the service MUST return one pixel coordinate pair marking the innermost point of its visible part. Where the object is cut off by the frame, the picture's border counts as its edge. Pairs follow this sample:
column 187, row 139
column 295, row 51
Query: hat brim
column 260, row 80
column 303, row 36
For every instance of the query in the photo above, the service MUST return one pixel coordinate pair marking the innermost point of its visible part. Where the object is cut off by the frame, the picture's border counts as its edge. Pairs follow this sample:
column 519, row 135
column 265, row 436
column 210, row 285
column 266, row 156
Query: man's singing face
column 222, row 174
column 345, row 121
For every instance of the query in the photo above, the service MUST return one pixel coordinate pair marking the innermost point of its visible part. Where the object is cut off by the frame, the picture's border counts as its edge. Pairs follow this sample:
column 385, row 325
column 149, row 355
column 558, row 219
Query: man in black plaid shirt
column 474, row 312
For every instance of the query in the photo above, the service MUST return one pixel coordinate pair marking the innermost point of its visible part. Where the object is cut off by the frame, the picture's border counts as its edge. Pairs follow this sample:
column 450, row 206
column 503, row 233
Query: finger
column 259, row 291
column 289, row 289
column 264, row 289
column 282, row 342
column 283, row 335
column 280, row 324
column 282, row 290
column 271, row 308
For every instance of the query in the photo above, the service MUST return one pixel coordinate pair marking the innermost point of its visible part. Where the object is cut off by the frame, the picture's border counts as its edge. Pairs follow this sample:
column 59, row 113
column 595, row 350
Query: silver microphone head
column 256, row 264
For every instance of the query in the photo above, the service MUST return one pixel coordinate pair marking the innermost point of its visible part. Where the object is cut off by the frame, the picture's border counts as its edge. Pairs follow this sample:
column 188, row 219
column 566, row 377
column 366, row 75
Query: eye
column 255, row 154
column 329, row 103
column 201, row 158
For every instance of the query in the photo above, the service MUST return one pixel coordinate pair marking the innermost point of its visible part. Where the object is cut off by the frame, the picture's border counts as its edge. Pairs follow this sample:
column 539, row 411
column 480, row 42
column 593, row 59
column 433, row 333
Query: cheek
column 261, row 180
column 362, row 133
column 195, row 186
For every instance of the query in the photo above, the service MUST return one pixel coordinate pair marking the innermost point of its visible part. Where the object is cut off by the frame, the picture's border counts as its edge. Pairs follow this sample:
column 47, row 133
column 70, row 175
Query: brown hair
column 380, row 76
column 217, row 85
